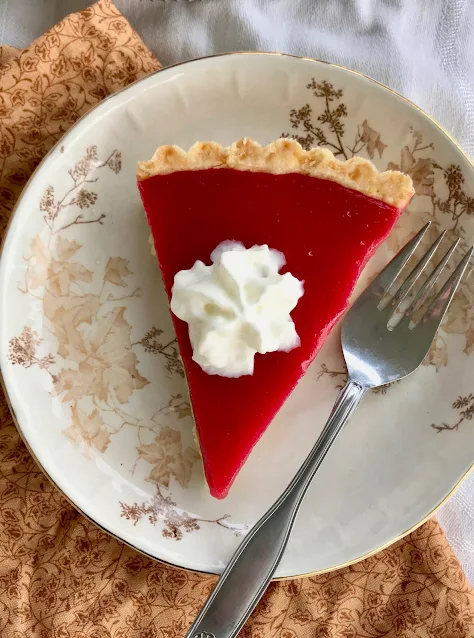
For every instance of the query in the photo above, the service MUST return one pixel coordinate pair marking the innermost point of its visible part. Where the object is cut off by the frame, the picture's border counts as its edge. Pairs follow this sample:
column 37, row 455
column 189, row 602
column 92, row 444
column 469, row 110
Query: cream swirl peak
column 238, row 306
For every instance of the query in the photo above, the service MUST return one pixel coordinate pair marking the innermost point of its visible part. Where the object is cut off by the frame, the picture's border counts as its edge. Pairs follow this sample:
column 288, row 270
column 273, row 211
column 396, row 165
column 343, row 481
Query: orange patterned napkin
column 62, row 577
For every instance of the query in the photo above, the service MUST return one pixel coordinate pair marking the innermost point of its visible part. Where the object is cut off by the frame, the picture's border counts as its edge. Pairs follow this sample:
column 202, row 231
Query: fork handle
column 252, row 566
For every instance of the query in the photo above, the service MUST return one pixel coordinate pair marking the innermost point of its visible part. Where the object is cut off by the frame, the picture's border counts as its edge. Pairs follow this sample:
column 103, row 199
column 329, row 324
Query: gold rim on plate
column 15, row 208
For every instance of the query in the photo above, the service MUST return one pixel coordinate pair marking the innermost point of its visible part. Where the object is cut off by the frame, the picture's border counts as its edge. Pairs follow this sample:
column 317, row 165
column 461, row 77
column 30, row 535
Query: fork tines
column 437, row 308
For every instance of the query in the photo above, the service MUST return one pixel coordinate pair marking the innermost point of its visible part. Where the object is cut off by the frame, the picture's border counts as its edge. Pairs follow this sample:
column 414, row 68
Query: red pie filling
column 327, row 232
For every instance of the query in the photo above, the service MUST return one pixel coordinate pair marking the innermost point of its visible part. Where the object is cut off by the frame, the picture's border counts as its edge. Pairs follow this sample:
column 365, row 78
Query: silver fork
column 375, row 354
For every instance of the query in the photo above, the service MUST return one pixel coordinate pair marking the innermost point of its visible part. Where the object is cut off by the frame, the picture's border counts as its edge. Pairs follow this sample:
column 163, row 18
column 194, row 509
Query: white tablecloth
column 422, row 48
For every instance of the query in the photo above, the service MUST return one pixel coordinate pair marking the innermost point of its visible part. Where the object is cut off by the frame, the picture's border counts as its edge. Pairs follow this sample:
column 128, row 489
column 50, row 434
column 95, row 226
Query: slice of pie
column 326, row 216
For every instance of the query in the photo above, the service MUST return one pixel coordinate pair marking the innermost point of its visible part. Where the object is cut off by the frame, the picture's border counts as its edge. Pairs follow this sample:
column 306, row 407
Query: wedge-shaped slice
column 326, row 216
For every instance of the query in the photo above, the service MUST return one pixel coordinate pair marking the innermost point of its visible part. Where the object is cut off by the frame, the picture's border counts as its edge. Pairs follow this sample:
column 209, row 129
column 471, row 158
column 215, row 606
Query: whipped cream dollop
column 236, row 307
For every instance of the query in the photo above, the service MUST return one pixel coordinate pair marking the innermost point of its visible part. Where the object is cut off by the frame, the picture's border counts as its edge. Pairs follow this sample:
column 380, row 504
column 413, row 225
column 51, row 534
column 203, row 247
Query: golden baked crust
column 282, row 156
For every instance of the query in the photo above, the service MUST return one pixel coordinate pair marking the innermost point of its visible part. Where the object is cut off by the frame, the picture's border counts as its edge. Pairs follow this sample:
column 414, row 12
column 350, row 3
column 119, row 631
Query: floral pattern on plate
column 447, row 203
column 95, row 361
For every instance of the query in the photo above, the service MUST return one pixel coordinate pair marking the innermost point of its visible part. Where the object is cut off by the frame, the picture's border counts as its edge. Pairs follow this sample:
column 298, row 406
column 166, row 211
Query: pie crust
column 279, row 157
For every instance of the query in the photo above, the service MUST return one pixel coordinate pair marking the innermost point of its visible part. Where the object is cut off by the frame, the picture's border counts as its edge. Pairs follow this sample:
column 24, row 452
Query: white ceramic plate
column 87, row 349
